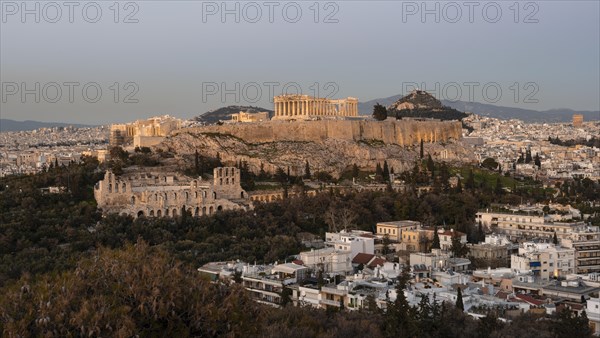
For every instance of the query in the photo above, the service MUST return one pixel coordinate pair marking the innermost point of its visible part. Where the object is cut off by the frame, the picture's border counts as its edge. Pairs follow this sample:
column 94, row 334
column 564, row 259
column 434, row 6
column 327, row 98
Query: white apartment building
column 330, row 260
column 517, row 226
column 587, row 249
column 544, row 260
column 266, row 287
column 355, row 241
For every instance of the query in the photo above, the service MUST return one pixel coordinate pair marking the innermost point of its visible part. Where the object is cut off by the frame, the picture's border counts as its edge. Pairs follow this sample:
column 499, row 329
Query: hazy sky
column 185, row 58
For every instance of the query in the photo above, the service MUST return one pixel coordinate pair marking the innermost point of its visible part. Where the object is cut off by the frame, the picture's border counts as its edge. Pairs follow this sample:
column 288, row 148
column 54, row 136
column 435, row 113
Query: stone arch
column 210, row 210
column 109, row 187
column 174, row 213
column 232, row 180
column 220, row 171
column 117, row 187
column 132, row 199
column 220, row 181
column 197, row 212
column 187, row 196
column 159, row 213
column 204, row 194
column 203, row 211
column 140, row 213
column 227, row 180
column 196, row 194
column 151, row 213
column 242, row 194
column 189, row 210
column 214, row 195
column 167, row 212
column 175, row 196
column 124, row 187
column 220, row 208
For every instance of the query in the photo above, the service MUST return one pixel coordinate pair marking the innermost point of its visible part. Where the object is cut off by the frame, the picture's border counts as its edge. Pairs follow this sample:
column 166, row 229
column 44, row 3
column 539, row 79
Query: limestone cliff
column 389, row 131
column 330, row 146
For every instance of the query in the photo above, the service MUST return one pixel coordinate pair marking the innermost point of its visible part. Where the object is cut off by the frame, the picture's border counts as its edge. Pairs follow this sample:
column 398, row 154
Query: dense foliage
column 142, row 289
column 592, row 142
column 441, row 114
column 66, row 270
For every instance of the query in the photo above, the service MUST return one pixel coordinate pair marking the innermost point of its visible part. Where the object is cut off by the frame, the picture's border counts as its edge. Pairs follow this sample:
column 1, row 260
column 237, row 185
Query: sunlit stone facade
column 290, row 107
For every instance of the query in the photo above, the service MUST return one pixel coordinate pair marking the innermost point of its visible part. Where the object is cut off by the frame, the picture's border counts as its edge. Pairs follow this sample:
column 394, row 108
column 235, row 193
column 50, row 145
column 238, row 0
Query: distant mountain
column 224, row 113
column 527, row 115
column 12, row 125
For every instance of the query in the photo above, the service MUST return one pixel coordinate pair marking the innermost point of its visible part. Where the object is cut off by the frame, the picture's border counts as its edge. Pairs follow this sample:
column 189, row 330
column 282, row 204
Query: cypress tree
column 355, row 171
column 431, row 165
column 378, row 173
column 307, row 170
column 197, row 163
column 498, row 190
column 459, row 300
column 386, row 171
column 436, row 239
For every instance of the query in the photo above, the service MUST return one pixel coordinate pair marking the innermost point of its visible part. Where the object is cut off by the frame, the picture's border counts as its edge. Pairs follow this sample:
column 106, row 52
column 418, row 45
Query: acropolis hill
column 398, row 132
column 328, row 134
column 328, row 145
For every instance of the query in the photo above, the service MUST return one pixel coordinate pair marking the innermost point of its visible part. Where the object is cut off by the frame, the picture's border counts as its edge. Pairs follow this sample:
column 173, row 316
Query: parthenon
column 289, row 107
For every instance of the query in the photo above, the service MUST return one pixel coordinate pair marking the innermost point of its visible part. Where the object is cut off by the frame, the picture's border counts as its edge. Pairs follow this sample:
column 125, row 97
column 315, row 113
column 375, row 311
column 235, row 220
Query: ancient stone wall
column 160, row 194
column 400, row 132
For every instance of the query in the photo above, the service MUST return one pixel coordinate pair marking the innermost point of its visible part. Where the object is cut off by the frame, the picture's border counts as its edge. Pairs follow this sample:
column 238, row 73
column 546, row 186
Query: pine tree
column 459, row 300
column 555, row 239
column 379, row 112
column 422, row 153
column 400, row 321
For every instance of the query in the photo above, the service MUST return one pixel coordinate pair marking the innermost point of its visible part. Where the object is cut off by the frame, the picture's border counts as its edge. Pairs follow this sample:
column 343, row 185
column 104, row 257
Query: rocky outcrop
column 331, row 146
column 402, row 133
column 417, row 99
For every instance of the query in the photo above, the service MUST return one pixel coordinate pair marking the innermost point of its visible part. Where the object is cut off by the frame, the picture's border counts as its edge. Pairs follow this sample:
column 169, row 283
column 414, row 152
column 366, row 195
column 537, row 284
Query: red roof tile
column 376, row 262
column 362, row 258
column 530, row 300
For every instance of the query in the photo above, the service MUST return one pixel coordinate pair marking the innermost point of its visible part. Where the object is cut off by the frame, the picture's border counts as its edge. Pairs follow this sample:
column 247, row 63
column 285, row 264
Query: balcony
column 333, row 291
column 330, row 302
